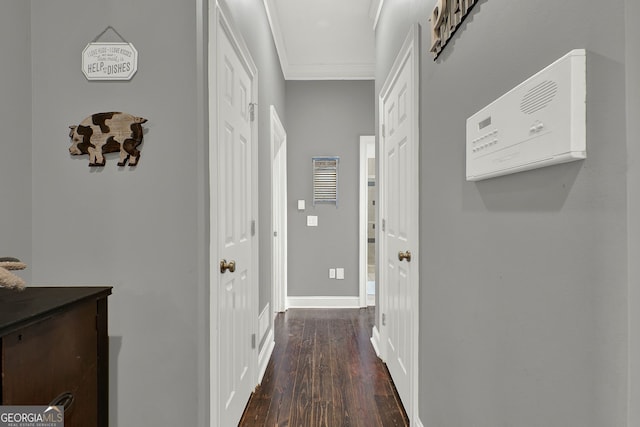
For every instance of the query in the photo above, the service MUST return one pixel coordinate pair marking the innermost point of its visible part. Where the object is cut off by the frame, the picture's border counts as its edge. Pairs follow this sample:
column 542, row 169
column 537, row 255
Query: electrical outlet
column 332, row 273
column 312, row 221
column 340, row 273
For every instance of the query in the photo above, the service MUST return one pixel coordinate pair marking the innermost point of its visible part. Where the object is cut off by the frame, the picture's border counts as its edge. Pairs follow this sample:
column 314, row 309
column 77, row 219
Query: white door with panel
column 233, row 231
column 399, row 229
column 279, row 211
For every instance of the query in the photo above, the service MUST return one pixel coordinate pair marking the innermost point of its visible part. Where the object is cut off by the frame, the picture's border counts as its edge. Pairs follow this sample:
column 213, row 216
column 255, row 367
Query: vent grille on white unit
column 539, row 97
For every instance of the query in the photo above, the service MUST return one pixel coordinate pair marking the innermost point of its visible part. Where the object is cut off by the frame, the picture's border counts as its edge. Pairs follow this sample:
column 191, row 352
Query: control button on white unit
column 540, row 122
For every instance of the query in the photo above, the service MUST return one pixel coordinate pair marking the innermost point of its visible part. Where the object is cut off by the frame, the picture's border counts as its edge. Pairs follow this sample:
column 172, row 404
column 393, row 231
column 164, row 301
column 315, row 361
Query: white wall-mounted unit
column 540, row 122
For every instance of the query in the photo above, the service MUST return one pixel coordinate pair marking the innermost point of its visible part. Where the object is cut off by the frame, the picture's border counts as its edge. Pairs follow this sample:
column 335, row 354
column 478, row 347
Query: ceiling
column 325, row 39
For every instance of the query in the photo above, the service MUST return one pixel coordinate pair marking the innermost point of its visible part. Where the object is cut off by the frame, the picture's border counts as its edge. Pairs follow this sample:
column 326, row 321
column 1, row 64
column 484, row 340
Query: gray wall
column 530, row 332
column 325, row 118
column 15, row 131
column 142, row 230
column 251, row 19
column 136, row 229
column 632, row 15
column 523, row 317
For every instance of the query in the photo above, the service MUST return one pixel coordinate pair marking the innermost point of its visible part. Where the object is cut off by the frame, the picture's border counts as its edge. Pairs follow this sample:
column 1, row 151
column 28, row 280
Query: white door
column 279, row 211
column 367, row 152
column 399, row 228
column 233, row 272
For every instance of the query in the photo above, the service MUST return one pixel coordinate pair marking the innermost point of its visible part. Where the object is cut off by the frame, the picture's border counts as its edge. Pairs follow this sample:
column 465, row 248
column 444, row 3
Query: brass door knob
column 224, row 266
column 404, row 255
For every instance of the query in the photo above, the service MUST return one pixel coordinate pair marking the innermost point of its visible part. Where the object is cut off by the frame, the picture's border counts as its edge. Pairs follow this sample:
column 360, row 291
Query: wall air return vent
column 325, row 180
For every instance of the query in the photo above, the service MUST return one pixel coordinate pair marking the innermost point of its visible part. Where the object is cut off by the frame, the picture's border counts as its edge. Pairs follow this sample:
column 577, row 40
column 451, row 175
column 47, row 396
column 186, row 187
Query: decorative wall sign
column 445, row 19
column 109, row 61
column 108, row 133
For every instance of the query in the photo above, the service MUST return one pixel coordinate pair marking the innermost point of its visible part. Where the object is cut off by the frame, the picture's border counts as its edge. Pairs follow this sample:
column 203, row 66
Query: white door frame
column 367, row 151
column 278, row 211
column 410, row 51
column 219, row 18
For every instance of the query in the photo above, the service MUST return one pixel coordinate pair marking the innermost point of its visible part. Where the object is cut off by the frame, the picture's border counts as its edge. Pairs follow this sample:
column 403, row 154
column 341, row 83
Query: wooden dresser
column 55, row 346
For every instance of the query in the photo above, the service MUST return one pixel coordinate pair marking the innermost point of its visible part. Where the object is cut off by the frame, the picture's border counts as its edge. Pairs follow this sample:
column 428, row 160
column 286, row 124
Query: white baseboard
column 269, row 342
column 265, row 355
column 263, row 322
column 323, row 302
column 375, row 340
column 371, row 300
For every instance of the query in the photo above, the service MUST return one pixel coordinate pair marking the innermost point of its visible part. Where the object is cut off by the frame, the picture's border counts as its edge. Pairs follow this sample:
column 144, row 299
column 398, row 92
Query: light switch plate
column 332, row 273
column 300, row 205
column 340, row 273
column 312, row 221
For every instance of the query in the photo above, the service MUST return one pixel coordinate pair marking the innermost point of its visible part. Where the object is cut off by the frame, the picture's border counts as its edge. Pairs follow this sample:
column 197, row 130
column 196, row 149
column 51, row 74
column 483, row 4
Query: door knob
column 404, row 255
column 224, row 266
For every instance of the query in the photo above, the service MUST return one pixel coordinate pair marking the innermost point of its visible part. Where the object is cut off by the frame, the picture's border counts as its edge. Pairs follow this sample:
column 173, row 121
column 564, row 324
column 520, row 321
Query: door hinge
column 252, row 111
column 253, row 227
column 384, row 320
column 384, row 224
column 253, row 341
column 275, row 234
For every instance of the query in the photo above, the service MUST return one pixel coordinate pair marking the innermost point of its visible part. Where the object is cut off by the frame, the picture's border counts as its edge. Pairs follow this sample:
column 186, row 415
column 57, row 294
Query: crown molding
column 272, row 15
column 374, row 11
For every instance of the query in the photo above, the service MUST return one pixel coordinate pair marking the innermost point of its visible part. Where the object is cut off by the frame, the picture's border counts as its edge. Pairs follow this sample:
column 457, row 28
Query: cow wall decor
column 111, row 132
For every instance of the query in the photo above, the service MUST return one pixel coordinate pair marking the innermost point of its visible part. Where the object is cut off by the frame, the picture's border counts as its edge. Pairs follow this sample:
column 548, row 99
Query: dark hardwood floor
column 324, row 372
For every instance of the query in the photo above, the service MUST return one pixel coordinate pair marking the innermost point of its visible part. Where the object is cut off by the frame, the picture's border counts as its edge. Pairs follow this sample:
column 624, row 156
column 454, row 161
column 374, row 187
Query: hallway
column 324, row 372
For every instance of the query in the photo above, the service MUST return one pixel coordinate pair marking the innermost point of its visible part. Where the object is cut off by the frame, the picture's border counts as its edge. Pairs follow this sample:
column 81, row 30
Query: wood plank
column 323, row 387
column 291, row 337
column 343, row 386
column 362, row 401
column 273, row 396
column 323, row 415
column 326, row 412
column 301, row 406
column 324, row 372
